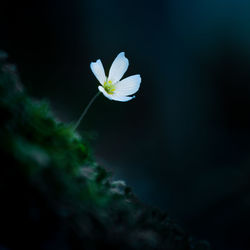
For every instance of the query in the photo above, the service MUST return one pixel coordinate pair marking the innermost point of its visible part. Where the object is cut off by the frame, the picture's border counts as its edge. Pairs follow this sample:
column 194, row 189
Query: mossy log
column 55, row 196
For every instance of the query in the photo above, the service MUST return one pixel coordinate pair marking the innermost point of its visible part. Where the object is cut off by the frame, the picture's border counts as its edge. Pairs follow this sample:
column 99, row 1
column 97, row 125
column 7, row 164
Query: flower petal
column 115, row 97
column 118, row 68
column 98, row 71
column 128, row 86
column 101, row 89
column 121, row 98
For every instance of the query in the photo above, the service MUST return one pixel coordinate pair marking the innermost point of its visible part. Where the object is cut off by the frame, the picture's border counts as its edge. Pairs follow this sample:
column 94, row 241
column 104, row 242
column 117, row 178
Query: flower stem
column 86, row 110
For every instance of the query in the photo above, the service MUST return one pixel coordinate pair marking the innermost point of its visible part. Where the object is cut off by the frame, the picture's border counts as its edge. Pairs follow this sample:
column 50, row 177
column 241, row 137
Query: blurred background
column 183, row 144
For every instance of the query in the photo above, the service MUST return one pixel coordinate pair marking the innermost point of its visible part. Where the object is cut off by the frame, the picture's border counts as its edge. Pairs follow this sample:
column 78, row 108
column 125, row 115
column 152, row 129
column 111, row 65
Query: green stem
column 86, row 110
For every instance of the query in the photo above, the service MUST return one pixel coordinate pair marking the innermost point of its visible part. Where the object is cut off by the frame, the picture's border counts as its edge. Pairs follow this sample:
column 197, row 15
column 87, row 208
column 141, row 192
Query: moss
column 53, row 193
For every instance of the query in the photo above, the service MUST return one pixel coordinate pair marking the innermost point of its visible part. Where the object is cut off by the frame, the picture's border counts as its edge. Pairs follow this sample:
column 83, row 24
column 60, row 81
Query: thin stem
column 86, row 110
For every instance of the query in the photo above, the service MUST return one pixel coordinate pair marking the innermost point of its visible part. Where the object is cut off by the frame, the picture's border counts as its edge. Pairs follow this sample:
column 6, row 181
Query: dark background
column 184, row 143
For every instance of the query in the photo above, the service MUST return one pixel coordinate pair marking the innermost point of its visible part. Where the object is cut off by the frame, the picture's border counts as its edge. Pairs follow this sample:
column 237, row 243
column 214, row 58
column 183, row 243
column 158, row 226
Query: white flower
column 112, row 86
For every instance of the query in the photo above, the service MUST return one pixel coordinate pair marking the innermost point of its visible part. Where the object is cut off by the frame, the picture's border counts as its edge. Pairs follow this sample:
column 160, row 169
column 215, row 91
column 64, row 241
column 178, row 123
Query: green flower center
column 109, row 87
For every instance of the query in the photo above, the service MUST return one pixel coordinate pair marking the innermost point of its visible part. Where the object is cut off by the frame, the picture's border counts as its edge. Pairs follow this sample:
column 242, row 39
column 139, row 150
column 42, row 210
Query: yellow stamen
column 109, row 87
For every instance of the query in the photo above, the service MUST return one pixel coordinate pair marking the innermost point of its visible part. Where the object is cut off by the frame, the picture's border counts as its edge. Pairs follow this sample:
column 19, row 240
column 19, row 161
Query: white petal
column 115, row 97
column 121, row 98
column 118, row 68
column 101, row 89
column 98, row 71
column 128, row 86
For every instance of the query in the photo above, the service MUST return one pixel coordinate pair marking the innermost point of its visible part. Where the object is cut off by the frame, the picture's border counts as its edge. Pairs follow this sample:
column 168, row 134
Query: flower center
column 109, row 87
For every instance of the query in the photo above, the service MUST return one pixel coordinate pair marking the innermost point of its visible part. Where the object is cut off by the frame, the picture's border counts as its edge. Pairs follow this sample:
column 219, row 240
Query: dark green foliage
column 54, row 195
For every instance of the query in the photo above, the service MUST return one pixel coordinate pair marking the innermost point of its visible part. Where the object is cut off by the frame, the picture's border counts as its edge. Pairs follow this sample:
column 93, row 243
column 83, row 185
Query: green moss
column 55, row 196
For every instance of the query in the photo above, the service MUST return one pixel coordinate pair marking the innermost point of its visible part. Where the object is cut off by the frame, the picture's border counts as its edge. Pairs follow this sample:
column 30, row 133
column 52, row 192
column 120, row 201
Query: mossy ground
column 55, row 196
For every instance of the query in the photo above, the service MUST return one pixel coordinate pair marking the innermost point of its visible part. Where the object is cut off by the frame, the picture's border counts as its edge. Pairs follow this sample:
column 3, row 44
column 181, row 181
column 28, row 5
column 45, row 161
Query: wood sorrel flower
column 112, row 86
